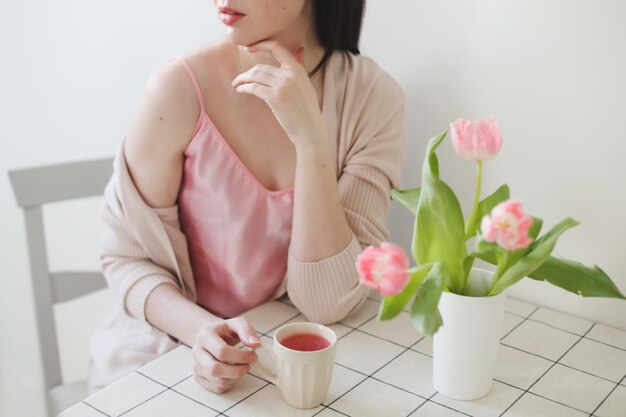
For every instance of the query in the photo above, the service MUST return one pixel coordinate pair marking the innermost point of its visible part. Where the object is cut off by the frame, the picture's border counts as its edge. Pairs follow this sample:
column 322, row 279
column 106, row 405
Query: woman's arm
column 153, row 150
column 333, row 218
column 319, row 227
column 326, row 288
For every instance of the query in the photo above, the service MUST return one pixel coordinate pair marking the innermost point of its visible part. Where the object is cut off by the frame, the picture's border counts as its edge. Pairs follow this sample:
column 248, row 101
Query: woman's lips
column 229, row 16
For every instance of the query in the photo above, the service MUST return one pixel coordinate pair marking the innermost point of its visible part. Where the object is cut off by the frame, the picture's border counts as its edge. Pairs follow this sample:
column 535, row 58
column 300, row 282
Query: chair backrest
column 34, row 187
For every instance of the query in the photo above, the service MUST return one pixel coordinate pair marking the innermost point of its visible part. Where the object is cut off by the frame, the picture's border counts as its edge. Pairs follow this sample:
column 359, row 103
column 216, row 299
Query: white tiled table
column 549, row 364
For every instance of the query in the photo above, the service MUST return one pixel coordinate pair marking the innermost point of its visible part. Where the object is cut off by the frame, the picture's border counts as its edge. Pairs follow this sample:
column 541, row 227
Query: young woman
column 254, row 166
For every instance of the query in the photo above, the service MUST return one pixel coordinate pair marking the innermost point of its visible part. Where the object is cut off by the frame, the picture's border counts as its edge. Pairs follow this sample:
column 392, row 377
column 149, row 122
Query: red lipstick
column 230, row 16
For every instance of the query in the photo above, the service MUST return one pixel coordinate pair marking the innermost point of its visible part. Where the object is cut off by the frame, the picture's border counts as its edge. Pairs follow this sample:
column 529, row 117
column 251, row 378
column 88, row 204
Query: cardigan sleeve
column 126, row 266
column 329, row 290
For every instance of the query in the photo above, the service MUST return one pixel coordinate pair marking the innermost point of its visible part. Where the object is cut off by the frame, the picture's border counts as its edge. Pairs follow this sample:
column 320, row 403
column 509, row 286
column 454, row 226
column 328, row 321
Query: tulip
column 508, row 225
column 383, row 268
column 479, row 140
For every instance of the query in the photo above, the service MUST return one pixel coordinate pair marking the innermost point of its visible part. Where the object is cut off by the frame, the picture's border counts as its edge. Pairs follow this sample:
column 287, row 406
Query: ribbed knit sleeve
column 127, row 268
column 328, row 290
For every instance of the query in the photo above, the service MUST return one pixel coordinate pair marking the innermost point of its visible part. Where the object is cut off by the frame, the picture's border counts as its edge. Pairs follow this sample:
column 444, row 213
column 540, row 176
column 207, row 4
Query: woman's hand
column 287, row 90
column 217, row 363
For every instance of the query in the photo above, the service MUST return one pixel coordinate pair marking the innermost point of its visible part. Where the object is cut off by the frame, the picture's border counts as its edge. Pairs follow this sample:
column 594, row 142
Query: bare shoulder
column 159, row 132
column 165, row 119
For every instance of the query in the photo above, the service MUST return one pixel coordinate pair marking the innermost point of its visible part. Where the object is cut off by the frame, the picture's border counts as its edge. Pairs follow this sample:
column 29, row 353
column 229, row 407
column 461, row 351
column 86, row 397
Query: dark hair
column 338, row 26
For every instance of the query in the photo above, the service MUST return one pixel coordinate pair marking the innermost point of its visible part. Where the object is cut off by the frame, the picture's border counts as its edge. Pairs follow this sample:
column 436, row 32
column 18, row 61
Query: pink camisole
column 237, row 231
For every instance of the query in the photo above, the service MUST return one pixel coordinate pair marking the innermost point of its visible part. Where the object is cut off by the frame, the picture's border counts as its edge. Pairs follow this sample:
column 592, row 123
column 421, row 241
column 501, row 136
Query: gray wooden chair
column 34, row 187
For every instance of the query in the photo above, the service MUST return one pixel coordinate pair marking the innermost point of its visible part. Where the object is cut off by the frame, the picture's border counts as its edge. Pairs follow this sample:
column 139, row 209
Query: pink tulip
column 478, row 141
column 384, row 268
column 508, row 226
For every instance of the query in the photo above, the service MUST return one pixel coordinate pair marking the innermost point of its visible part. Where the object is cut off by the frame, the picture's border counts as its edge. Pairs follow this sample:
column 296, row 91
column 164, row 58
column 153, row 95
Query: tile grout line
column 247, row 396
column 336, row 411
column 352, row 329
column 430, row 400
column 560, row 363
column 556, row 327
column 421, row 405
column 91, row 406
column 397, row 387
column 143, row 402
column 548, row 370
column 194, row 400
column 404, row 350
column 562, row 329
column 608, row 395
column 500, row 341
column 171, row 388
column 387, row 340
column 154, row 380
column 422, row 353
column 323, row 408
column 606, row 344
column 527, row 318
column 366, row 378
column 520, row 323
column 280, row 324
column 525, row 351
column 540, row 396
column 370, row 376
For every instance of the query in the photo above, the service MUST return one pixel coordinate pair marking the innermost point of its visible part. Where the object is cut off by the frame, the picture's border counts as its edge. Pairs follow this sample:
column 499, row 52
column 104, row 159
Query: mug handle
column 262, row 369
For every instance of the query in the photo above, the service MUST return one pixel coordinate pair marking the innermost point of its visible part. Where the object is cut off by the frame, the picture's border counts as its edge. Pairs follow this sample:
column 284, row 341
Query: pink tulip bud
column 384, row 268
column 508, row 225
column 477, row 141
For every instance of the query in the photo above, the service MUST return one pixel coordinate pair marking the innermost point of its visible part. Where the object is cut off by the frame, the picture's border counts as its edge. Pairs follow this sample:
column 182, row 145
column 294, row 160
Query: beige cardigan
column 144, row 247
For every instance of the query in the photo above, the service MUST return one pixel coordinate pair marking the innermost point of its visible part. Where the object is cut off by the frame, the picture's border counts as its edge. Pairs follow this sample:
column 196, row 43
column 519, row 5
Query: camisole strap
column 194, row 80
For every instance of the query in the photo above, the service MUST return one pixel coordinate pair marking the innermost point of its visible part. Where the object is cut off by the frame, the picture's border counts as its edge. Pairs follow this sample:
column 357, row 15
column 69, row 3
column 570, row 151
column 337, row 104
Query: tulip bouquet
column 504, row 235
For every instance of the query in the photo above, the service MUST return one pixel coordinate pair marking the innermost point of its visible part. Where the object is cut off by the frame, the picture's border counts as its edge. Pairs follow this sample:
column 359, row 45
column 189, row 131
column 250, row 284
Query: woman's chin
column 237, row 38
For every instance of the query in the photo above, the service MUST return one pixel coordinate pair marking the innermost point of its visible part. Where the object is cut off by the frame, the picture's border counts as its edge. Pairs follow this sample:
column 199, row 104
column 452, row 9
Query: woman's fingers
column 218, row 386
column 208, row 367
column 261, row 74
column 261, row 91
column 226, row 353
column 244, row 331
column 282, row 55
column 218, row 364
column 260, row 81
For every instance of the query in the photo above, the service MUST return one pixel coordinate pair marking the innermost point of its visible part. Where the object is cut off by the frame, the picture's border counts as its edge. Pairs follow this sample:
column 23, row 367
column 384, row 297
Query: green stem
column 502, row 262
column 471, row 221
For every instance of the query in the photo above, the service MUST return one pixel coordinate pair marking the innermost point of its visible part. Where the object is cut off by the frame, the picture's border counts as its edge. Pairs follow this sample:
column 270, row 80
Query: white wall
column 550, row 72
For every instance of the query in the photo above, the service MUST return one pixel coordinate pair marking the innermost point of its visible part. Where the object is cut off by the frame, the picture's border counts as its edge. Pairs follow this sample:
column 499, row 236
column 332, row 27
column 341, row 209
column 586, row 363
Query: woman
column 255, row 165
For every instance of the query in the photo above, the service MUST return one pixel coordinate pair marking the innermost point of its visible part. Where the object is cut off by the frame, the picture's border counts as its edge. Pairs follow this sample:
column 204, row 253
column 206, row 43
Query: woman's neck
column 300, row 34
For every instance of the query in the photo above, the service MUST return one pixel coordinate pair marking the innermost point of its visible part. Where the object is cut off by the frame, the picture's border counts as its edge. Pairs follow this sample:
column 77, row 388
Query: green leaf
column 467, row 267
column 535, row 228
column 577, row 278
column 408, row 198
column 392, row 305
column 424, row 310
column 571, row 276
column 439, row 233
column 484, row 246
column 485, row 207
column 468, row 263
column 539, row 252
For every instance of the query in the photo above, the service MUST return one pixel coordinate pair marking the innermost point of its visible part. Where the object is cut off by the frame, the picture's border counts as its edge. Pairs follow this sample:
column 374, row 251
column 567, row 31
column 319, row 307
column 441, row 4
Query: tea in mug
column 305, row 342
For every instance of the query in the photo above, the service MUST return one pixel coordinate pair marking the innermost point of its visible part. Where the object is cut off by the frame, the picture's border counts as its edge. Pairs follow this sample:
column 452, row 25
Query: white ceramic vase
column 465, row 347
